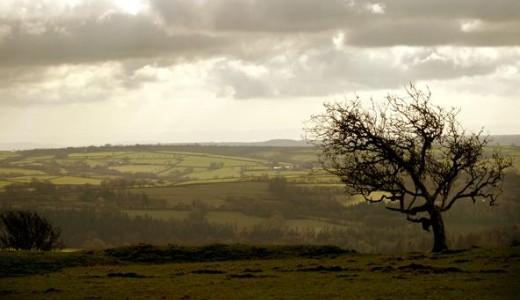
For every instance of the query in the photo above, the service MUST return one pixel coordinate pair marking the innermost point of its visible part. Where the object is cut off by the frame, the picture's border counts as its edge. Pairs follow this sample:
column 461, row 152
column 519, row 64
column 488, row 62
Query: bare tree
column 408, row 153
column 26, row 230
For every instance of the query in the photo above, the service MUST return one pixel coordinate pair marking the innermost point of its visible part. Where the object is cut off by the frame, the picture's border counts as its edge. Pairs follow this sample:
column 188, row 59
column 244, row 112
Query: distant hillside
column 507, row 140
column 269, row 143
column 504, row 140
column 26, row 146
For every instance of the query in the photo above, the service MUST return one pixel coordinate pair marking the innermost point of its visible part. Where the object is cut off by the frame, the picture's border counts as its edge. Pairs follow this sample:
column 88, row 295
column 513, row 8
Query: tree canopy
column 409, row 153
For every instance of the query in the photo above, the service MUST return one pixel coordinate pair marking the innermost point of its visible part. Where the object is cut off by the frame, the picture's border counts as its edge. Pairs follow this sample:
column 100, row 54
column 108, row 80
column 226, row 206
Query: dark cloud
column 115, row 37
column 498, row 10
column 254, row 15
column 435, row 32
column 394, row 22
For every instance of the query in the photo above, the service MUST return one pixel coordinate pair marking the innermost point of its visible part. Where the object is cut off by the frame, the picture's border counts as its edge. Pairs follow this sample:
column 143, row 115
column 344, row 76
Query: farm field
column 169, row 165
column 158, row 166
column 474, row 274
column 213, row 193
column 161, row 193
column 159, row 214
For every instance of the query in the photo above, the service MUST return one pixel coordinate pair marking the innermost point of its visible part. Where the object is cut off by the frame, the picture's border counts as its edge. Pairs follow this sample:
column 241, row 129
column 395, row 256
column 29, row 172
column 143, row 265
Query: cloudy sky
column 89, row 72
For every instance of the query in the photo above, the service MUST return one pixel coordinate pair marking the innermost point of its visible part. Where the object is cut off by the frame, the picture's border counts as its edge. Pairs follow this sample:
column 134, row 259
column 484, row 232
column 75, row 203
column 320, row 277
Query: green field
column 20, row 171
column 140, row 168
column 223, row 185
column 159, row 214
column 73, row 180
column 160, row 167
column 3, row 184
column 170, row 165
column 204, row 174
column 284, row 273
column 29, row 178
column 236, row 218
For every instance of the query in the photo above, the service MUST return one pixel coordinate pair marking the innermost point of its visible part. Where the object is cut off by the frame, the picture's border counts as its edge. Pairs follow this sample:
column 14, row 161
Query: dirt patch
column 249, row 275
column 127, row 275
column 425, row 269
column 461, row 261
column 207, row 271
column 384, row 269
column 252, row 270
column 51, row 290
column 323, row 269
column 492, row 271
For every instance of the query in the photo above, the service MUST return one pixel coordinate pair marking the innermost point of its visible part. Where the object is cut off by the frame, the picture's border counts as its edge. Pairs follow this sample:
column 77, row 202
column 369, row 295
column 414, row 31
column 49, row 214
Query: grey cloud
column 432, row 33
column 404, row 22
column 254, row 15
column 257, row 32
column 430, row 65
column 58, row 85
column 497, row 10
column 114, row 37
column 252, row 30
column 243, row 85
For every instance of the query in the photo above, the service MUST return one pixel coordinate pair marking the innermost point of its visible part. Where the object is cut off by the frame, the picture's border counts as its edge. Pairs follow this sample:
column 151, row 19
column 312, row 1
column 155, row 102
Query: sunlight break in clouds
column 91, row 72
column 132, row 7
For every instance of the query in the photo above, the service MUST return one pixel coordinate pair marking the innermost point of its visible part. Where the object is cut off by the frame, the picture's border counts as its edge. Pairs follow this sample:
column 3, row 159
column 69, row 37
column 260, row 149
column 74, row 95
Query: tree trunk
column 439, row 235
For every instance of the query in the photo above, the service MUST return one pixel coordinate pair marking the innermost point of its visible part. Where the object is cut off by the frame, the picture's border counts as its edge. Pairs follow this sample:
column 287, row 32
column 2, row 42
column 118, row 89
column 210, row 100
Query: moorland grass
column 260, row 272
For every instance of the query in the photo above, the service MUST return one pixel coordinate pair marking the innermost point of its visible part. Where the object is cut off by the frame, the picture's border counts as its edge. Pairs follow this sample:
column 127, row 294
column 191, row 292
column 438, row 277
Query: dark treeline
column 110, row 193
column 91, row 217
column 107, row 228
column 84, row 229
column 376, row 231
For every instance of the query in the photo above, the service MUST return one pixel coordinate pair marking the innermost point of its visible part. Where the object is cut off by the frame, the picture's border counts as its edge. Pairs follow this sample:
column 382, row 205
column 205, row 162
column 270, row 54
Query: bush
column 26, row 230
column 220, row 252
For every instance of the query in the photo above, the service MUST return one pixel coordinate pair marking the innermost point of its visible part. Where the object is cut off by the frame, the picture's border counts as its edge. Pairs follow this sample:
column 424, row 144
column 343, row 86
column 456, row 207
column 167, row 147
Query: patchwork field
column 212, row 193
column 230, row 193
column 160, row 167
column 167, row 165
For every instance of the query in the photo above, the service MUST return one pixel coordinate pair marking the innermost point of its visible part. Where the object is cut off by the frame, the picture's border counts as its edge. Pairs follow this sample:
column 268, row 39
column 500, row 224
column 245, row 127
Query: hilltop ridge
column 502, row 140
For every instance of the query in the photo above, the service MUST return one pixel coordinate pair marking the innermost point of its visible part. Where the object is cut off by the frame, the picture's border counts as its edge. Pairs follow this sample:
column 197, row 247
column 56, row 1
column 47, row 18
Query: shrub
column 26, row 230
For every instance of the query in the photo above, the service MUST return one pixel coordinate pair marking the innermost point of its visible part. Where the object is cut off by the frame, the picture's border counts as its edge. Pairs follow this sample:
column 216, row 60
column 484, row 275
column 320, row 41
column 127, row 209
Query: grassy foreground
column 248, row 272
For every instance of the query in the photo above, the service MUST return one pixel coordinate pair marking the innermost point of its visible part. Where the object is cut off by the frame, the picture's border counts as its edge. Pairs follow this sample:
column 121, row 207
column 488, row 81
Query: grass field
column 140, row 168
column 159, row 214
column 188, row 164
column 236, row 218
column 475, row 274
column 72, row 180
column 212, row 194
column 29, row 178
column 20, row 171
column 231, row 184
column 306, row 224
column 4, row 183
column 204, row 174
column 67, row 167
column 231, row 217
